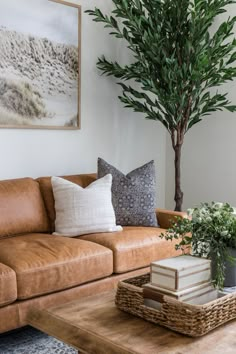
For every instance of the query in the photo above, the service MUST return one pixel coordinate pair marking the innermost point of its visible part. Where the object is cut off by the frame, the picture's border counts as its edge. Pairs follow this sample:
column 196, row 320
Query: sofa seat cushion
column 8, row 289
column 134, row 247
column 45, row 263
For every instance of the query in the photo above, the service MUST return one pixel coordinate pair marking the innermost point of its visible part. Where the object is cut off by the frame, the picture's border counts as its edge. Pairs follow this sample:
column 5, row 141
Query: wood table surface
column 94, row 325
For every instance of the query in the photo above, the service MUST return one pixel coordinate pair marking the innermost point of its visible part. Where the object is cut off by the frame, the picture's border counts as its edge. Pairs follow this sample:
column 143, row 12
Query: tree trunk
column 178, row 192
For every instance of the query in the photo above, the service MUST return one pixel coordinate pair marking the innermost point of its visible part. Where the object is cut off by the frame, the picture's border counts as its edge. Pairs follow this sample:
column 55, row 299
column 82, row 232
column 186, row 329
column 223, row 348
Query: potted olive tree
column 178, row 63
column 210, row 231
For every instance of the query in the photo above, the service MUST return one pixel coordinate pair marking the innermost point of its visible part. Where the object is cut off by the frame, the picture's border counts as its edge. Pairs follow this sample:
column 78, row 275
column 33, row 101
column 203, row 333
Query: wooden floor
column 95, row 326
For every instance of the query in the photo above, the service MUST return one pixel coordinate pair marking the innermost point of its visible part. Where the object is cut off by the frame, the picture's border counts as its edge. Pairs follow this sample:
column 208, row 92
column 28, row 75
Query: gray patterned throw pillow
column 133, row 195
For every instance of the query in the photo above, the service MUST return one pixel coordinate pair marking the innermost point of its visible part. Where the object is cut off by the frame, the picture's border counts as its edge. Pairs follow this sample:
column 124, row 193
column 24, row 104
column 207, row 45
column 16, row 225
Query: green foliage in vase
column 209, row 232
column 177, row 63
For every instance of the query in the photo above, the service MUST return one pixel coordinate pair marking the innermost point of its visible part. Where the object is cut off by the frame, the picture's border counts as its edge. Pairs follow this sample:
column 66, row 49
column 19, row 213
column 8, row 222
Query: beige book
column 154, row 292
column 199, row 300
column 179, row 273
column 209, row 296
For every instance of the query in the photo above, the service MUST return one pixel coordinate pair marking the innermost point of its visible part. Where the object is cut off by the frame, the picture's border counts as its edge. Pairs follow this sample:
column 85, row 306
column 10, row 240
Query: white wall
column 209, row 156
column 125, row 138
column 108, row 130
column 208, row 163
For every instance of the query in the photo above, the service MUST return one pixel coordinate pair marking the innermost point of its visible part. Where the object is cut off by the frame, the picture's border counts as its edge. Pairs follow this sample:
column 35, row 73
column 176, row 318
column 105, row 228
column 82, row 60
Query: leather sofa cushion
column 17, row 314
column 47, row 192
column 8, row 289
column 45, row 263
column 21, row 208
column 134, row 247
column 167, row 217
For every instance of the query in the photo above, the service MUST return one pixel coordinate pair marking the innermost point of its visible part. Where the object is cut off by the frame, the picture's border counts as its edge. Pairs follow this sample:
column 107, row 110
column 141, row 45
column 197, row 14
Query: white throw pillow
column 82, row 211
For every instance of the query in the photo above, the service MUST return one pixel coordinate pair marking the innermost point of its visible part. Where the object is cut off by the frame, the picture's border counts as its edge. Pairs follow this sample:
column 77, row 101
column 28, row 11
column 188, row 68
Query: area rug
column 30, row 341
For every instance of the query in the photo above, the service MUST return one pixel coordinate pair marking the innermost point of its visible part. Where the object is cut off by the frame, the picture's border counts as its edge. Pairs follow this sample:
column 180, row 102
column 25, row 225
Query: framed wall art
column 40, row 47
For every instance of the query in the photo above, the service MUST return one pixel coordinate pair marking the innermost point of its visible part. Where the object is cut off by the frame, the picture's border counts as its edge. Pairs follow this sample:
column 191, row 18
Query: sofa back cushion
column 133, row 195
column 47, row 192
column 22, row 208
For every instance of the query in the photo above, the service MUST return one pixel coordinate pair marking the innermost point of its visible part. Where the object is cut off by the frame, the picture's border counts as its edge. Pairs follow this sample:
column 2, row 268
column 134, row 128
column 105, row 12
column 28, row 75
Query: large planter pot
column 230, row 270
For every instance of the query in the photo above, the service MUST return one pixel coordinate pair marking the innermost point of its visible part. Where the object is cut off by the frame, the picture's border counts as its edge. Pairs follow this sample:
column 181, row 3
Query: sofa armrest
column 165, row 217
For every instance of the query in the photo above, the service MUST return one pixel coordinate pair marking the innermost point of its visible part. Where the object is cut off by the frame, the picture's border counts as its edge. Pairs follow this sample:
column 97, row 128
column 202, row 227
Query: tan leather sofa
column 39, row 269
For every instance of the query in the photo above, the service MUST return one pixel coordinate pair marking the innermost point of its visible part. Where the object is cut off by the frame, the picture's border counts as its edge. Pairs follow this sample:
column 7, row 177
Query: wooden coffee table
column 94, row 325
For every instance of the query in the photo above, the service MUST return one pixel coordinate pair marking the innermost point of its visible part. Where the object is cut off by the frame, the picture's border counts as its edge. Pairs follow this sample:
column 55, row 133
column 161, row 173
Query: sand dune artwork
column 39, row 64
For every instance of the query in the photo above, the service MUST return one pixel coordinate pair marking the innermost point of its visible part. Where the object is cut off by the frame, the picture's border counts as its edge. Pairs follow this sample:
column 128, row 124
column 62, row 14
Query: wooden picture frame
column 40, row 64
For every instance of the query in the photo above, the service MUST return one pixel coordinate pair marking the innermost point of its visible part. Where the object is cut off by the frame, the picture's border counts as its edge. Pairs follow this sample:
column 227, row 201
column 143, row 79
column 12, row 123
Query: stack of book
column 184, row 278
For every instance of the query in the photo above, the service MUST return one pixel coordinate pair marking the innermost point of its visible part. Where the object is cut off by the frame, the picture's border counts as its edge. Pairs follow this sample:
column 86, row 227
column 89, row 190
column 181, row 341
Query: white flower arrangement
column 209, row 231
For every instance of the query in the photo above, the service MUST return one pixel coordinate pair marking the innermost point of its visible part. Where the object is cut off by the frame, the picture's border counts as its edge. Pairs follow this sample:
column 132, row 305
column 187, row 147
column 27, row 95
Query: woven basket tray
column 191, row 320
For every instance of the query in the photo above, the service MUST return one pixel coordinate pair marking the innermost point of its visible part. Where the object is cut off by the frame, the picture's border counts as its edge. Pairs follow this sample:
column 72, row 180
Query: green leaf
column 231, row 108
column 178, row 60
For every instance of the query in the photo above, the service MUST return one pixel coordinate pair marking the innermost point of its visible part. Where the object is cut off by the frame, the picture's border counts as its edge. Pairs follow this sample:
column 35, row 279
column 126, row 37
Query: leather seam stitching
column 8, row 275
column 8, row 301
column 134, row 248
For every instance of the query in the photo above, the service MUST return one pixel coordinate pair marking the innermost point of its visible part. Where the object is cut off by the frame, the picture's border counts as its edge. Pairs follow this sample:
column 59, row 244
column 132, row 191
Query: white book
column 204, row 298
column 154, row 292
column 199, row 300
column 152, row 303
column 179, row 273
